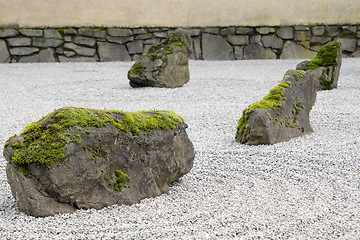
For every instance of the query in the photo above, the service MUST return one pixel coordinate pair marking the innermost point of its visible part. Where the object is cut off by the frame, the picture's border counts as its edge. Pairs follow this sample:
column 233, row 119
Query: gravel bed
column 306, row 188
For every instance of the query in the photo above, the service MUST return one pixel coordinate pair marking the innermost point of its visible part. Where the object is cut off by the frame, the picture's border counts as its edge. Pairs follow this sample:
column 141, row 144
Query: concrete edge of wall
column 92, row 44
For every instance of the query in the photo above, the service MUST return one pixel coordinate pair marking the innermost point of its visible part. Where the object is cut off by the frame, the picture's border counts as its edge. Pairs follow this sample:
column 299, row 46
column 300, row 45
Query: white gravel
column 307, row 188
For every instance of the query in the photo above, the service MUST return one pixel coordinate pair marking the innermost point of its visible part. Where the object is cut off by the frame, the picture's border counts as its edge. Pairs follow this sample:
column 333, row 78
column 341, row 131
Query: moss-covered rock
column 325, row 67
column 87, row 158
column 165, row 64
column 282, row 114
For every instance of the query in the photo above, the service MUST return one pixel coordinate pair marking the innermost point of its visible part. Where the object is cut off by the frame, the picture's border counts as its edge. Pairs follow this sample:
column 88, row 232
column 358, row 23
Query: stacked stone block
column 211, row 43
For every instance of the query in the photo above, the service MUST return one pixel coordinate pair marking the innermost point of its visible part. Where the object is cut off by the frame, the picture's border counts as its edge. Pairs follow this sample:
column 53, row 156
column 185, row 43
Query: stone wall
column 212, row 43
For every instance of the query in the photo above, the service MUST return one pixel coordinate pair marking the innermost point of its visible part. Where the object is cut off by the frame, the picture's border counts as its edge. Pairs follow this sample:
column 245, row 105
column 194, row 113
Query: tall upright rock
column 166, row 64
column 325, row 67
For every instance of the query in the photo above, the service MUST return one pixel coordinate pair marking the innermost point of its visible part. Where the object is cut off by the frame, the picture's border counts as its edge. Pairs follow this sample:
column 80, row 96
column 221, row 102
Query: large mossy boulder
column 325, row 67
column 282, row 114
column 165, row 64
column 79, row 158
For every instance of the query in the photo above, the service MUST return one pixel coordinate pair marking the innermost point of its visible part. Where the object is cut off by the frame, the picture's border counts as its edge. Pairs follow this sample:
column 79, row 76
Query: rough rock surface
column 325, row 67
column 281, row 115
column 77, row 158
column 215, row 47
column 165, row 64
column 292, row 50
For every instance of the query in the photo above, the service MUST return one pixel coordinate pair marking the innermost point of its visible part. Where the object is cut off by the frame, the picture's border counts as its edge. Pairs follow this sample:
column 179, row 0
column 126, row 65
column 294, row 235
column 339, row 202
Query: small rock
column 23, row 51
column 109, row 52
column 318, row 30
column 31, row 32
column 19, row 42
column 4, row 53
column 4, row 33
column 285, row 33
column 120, row 32
column 83, row 51
column 292, row 51
column 52, row 33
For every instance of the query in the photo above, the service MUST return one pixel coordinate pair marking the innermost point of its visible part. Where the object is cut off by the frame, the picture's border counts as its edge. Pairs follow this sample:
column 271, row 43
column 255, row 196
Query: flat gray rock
column 109, row 52
column 215, row 47
column 4, row 53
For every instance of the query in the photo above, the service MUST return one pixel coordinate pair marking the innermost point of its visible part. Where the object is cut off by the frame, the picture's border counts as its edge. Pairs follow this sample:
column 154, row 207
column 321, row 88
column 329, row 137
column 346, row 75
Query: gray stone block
column 349, row 30
column 285, row 33
column 19, row 42
column 46, row 42
column 265, row 30
column 256, row 51
column 8, row 33
column 89, row 32
column 29, row 59
column 135, row 47
column 318, row 30
column 120, row 32
column 46, row 55
column 227, row 31
column 319, row 40
column 70, row 31
column 332, row 31
column 238, row 52
column 69, row 53
column 256, row 39
column 120, row 40
column 68, row 39
column 347, row 44
column 294, row 51
column 52, row 33
column 301, row 28
column 244, row 30
column 238, row 39
column 152, row 41
column 215, row 47
column 272, row 42
column 302, row 36
column 4, row 53
column 89, row 42
column 144, row 36
column 112, row 52
column 23, row 51
column 83, row 51
column 31, row 32
column 212, row 30
column 139, row 31
column 165, row 34
column 76, row 59
column 193, row 32
column 196, row 48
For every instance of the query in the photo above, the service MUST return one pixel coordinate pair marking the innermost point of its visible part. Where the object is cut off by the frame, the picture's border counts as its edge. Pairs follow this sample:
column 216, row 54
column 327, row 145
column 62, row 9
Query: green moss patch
column 326, row 56
column 121, row 179
column 44, row 140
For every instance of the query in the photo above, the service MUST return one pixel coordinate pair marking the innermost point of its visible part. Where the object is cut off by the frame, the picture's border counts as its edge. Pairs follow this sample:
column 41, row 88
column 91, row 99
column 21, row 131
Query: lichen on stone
column 43, row 142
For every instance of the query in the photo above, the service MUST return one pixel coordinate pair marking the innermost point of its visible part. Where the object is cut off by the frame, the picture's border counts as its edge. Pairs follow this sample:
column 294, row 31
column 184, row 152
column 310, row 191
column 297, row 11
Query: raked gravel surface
column 306, row 188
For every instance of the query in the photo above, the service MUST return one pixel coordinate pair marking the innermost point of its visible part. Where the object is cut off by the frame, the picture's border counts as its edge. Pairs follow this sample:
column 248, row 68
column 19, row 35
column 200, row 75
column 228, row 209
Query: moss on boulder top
column 43, row 142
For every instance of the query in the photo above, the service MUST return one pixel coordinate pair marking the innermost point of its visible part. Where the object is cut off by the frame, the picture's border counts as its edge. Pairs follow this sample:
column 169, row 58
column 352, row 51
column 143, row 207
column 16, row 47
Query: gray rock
column 4, row 53
column 136, row 57
column 100, row 158
column 285, row 33
column 319, row 40
column 140, row 31
column 302, row 36
column 256, row 51
column 120, row 40
column 281, row 115
column 256, row 39
column 77, row 59
column 196, row 51
column 47, row 42
column 301, row 28
column 356, row 53
column 265, row 30
column 31, row 32
column 244, row 30
column 165, row 34
column 152, row 41
column 332, row 31
column 83, row 51
column 347, row 44
column 325, row 67
column 272, row 42
column 227, row 31
column 68, row 39
column 193, row 32
column 293, row 51
column 90, row 32
column 135, row 47
column 238, row 39
column 46, row 55
column 23, row 51
column 238, row 52
column 215, row 47
column 89, row 42
column 318, row 30
column 70, row 31
column 19, row 42
column 349, row 30
column 29, row 59
column 120, row 32
column 165, row 64
column 109, row 52
column 4, row 33
column 144, row 36
column 52, row 33
column 211, row 30
column 69, row 53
